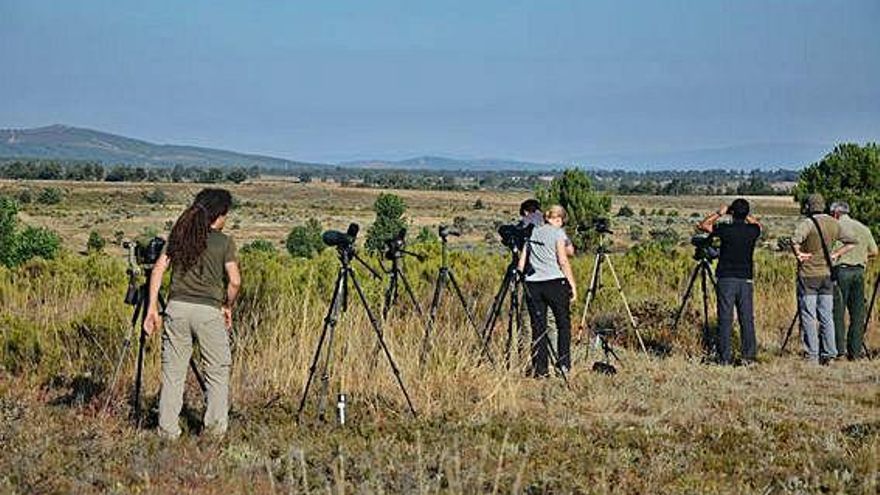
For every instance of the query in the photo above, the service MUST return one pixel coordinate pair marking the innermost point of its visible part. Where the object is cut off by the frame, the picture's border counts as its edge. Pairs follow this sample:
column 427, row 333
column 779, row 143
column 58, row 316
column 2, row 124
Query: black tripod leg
column 329, row 322
column 390, row 294
column 707, row 338
column 512, row 314
column 123, row 354
column 378, row 329
column 687, row 295
column 470, row 316
column 432, row 316
column 140, row 314
column 871, row 305
column 788, row 333
column 495, row 312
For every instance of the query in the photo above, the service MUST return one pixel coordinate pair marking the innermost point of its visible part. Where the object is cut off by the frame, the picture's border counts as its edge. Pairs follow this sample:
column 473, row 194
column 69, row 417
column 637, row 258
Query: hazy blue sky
column 539, row 80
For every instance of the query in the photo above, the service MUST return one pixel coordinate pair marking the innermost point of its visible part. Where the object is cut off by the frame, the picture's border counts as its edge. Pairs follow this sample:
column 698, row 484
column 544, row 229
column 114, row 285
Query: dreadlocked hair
column 189, row 236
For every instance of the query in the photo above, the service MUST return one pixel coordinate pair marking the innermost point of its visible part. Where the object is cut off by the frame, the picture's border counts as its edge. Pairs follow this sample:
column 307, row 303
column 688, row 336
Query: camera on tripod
column 146, row 253
column 394, row 247
column 341, row 240
column 445, row 231
column 600, row 225
column 515, row 236
column 705, row 247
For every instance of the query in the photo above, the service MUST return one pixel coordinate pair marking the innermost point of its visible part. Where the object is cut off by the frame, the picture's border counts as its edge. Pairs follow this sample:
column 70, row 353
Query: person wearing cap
column 735, row 274
column 816, row 293
column 850, row 294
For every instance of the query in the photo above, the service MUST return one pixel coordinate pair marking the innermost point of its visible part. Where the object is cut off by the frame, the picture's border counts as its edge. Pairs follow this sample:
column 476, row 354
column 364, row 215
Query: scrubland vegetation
column 666, row 422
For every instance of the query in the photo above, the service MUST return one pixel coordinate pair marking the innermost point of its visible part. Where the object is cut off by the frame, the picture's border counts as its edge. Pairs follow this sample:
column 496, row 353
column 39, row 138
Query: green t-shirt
column 808, row 237
column 865, row 245
column 205, row 281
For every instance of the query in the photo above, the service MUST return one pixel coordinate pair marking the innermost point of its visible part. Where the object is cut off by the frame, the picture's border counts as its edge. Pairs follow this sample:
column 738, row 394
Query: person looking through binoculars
column 205, row 282
column 550, row 283
column 735, row 274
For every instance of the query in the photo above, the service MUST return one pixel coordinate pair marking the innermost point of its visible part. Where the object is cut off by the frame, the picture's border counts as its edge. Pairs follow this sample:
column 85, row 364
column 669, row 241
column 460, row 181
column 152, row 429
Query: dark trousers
column 850, row 297
column 555, row 294
column 736, row 293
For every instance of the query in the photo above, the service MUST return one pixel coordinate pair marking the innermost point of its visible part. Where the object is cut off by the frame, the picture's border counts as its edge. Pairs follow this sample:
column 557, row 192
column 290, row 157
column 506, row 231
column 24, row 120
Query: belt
column 851, row 266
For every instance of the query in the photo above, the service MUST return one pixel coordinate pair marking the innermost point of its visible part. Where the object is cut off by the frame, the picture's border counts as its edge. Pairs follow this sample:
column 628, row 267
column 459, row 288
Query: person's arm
column 565, row 266
column 849, row 241
column 569, row 247
column 872, row 245
column 801, row 232
column 233, row 286
column 523, row 256
column 754, row 221
column 153, row 320
column 708, row 223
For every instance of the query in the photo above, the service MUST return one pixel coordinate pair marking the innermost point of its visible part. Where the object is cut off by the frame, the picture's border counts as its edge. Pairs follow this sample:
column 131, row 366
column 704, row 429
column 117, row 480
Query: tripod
column 511, row 284
column 868, row 316
column 396, row 276
column 138, row 296
column 446, row 277
column 596, row 284
column 800, row 287
column 605, row 366
column 338, row 305
column 704, row 270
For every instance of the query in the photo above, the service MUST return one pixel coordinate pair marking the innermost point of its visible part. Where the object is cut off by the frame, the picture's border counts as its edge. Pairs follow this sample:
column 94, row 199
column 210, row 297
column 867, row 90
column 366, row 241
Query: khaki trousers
column 184, row 323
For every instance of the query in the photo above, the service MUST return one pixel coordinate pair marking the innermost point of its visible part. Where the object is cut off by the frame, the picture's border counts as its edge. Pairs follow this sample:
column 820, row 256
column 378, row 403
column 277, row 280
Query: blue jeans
column 736, row 293
column 817, row 318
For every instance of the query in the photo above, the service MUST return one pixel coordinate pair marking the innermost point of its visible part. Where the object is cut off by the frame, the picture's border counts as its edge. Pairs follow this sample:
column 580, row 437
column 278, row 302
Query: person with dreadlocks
column 205, row 281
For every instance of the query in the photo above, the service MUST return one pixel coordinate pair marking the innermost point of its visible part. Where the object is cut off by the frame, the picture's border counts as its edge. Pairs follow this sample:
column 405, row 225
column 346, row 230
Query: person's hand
column 722, row 210
column 153, row 321
column 804, row 257
column 574, row 293
column 227, row 316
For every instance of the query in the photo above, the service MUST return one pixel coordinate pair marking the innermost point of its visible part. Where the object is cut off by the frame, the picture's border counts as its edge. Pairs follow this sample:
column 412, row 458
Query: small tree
column 95, row 243
column 574, row 191
column 25, row 196
column 389, row 210
column 478, row 204
column 304, row 241
column 155, row 197
column 625, row 211
column 849, row 173
column 237, row 175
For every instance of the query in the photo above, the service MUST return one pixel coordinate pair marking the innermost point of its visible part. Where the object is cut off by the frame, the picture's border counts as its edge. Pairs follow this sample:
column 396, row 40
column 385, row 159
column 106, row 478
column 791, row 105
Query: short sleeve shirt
column 542, row 253
column 738, row 241
column 205, row 281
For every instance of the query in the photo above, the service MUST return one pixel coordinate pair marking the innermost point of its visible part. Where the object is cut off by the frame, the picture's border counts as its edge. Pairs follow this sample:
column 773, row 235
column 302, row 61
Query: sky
column 543, row 80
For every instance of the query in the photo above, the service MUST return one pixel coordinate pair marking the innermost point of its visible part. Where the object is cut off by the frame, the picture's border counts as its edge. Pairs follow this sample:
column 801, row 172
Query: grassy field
column 663, row 424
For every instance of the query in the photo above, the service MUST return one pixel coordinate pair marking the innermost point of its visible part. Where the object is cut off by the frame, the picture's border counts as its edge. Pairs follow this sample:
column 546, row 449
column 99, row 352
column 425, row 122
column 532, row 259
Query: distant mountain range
column 75, row 143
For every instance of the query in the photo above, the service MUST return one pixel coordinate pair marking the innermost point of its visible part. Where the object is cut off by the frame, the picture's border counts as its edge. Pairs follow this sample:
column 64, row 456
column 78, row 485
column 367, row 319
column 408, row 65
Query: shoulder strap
column 824, row 246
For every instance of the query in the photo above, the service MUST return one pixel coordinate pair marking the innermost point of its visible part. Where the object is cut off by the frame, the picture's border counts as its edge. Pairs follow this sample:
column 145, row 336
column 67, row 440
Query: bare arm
column 708, row 223
column 565, row 266
column 153, row 320
column 233, row 286
column 521, row 266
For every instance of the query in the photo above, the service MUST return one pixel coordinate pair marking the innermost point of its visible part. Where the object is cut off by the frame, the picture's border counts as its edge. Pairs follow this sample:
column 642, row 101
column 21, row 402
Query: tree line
column 24, row 169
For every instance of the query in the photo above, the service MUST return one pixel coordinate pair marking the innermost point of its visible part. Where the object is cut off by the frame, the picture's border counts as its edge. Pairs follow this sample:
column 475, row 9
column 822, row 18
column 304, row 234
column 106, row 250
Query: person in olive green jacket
column 850, row 296
column 205, row 281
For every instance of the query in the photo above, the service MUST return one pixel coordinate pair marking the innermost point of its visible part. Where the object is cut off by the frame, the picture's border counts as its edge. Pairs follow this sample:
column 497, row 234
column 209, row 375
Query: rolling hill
column 75, row 143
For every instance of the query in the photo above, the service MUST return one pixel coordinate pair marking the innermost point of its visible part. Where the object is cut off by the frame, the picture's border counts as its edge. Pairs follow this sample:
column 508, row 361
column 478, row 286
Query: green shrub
column 259, row 245
column 304, row 241
column 625, row 211
column 50, row 196
column 574, row 191
column 25, row 196
column 37, row 242
column 95, row 243
column 155, row 196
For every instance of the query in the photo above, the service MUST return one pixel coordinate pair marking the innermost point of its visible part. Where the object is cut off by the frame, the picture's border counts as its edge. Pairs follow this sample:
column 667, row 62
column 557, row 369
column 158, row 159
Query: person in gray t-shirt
column 549, row 283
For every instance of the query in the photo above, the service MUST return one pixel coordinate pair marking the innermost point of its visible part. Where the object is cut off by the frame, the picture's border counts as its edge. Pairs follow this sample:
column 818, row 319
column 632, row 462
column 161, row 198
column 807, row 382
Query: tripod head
column 395, row 248
column 344, row 244
column 705, row 248
column 445, row 231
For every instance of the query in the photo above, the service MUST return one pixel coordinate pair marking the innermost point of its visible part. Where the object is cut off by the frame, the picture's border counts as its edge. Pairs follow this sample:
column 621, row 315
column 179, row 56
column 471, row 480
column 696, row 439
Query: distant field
column 269, row 208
